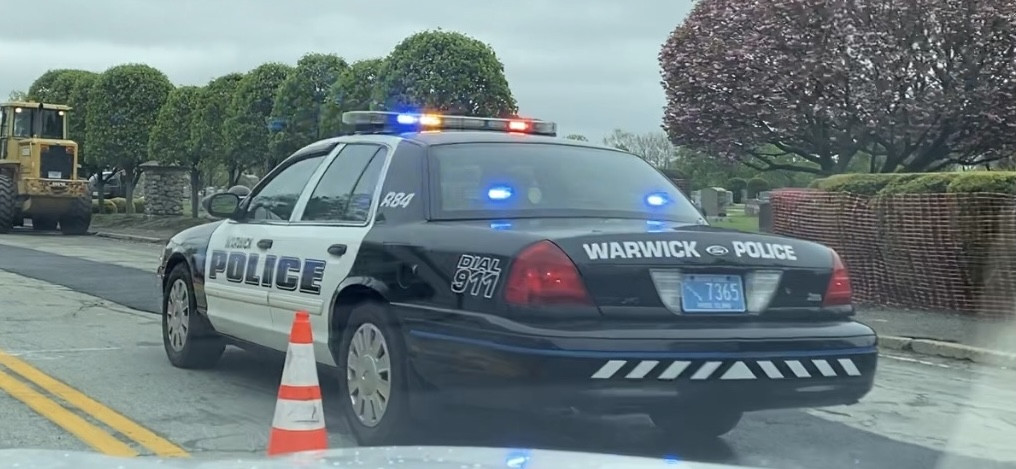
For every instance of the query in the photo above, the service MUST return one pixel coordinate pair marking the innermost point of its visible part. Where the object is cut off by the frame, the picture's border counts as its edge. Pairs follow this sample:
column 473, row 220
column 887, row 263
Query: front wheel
column 695, row 423
column 8, row 199
column 375, row 386
column 189, row 340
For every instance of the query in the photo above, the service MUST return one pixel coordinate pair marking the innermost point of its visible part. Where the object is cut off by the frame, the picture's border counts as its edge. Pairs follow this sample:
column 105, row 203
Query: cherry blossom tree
column 912, row 85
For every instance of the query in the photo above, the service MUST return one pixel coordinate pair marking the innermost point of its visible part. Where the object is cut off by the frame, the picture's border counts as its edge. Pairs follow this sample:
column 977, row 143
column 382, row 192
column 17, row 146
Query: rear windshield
column 522, row 180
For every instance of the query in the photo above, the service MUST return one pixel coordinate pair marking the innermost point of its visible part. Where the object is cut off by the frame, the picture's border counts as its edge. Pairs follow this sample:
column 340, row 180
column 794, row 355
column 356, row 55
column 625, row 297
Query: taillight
column 838, row 292
column 543, row 275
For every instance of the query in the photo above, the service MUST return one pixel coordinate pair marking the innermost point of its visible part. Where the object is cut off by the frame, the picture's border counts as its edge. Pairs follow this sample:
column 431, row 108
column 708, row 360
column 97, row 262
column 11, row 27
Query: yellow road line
column 90, row 434
column 145, row 437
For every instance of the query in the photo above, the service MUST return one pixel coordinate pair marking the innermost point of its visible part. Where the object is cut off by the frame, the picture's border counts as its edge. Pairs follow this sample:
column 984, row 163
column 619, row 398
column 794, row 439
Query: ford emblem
column 717, row 250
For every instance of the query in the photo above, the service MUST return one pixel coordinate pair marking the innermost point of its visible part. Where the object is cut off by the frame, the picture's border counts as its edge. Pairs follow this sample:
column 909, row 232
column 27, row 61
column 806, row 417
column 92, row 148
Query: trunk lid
column 635, row 268
column 700, row 271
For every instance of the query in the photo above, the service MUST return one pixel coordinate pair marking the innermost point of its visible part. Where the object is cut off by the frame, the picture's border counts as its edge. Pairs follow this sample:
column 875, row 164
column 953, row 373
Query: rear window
column 520, row 180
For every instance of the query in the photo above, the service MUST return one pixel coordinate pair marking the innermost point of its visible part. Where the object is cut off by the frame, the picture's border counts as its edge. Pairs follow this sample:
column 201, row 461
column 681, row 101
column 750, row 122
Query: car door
column 325, row 237
column 238, row 264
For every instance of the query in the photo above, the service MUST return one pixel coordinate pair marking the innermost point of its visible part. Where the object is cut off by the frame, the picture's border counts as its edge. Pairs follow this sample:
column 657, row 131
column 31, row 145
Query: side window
column 347, row 187
column 276, row 199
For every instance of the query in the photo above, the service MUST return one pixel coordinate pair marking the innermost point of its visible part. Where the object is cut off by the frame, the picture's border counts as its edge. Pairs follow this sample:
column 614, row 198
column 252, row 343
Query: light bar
column 394, row 122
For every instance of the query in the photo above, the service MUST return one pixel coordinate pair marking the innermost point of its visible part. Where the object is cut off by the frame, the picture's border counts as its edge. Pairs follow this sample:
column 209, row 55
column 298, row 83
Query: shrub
column 120, row 203
column 737, row 185
column 931, row 183
column 999, row 182
column 860, row 184
column 756, row 185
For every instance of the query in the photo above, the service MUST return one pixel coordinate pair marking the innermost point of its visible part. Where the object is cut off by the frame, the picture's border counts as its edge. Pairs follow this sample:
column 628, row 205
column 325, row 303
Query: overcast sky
column 589, row 65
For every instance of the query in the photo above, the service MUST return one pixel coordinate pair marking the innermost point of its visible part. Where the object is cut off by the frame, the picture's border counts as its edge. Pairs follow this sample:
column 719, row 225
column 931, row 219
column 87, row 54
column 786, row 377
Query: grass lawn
column 119, row 221
column 737, row 220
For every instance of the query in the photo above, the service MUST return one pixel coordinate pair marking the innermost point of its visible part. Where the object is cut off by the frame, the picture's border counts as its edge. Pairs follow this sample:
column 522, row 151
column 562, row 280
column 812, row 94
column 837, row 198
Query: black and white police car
column 448, row 259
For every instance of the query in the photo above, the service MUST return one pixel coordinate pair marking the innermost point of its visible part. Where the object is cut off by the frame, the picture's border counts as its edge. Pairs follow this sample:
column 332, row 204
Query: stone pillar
column 165, row 188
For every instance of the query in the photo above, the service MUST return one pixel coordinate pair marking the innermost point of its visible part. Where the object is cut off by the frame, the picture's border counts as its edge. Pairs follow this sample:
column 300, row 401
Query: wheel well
column 344, row 303
column 171, row 263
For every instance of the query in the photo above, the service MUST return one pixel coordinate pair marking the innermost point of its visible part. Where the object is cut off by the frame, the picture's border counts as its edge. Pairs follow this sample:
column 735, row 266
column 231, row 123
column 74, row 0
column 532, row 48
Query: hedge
column 996, row 182
column 944, row 241
column 118, row 205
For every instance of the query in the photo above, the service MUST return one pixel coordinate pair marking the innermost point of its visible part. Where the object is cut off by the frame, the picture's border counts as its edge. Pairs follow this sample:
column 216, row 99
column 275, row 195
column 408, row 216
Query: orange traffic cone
column 299, row 422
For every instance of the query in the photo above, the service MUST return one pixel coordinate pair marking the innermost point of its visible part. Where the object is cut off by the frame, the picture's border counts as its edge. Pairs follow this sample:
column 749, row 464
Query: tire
column 697, row 423
column 43, row 224
column 8, row 199
column 77, row 220
column 371, row 319
column 197, row 345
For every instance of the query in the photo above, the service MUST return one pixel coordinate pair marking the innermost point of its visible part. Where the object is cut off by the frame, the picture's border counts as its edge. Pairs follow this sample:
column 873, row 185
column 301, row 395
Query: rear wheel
column 189, row 339
column 77, row 220
column 375, row 388
column 43, row 223
column 695, row 423
column 8, row 199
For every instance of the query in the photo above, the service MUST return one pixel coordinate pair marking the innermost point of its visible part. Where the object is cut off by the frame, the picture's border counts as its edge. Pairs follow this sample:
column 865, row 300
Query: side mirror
column 222, row 205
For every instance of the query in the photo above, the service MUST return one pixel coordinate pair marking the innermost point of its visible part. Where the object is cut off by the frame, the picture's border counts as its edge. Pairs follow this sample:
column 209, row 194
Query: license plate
column 712, row 294
column 55, row 175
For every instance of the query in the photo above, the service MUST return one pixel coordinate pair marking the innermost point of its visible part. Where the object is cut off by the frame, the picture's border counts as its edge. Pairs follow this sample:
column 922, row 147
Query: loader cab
column 27, row 120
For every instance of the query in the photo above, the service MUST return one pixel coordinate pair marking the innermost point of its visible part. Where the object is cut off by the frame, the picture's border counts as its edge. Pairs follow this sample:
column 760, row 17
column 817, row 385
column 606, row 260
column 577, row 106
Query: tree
column 300, row 101
column 825, row 82
column 124, row 103
column 174, row 137
column 654, row 147
column 445, row 72
column 62, row 86
column 246, row 128
column 353, row 91
column 579, row 137
column 77, row 120
column 41, row 88
column 17, row 95
column 210, row 131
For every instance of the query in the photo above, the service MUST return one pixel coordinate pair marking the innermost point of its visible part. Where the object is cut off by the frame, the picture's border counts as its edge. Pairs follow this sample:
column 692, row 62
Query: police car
column 448, row 260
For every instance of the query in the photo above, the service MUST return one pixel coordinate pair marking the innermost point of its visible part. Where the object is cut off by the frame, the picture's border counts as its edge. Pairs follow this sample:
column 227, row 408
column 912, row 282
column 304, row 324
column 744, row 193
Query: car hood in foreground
column 427, row 457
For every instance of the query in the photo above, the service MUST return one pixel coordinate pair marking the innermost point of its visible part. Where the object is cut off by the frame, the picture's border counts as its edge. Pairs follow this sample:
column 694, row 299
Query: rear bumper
column 58, row 188
column 534, row 372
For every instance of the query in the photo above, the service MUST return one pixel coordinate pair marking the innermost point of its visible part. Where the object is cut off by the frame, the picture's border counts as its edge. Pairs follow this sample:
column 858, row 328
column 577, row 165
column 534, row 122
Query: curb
column 127, row 237
column 948, row 350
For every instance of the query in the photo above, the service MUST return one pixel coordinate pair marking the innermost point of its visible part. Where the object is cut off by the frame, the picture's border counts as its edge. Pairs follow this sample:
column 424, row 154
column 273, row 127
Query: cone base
column 291, row 441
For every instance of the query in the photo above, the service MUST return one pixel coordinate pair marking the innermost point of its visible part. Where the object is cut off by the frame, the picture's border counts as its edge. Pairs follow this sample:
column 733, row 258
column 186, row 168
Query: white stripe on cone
column 301, row 368
column 298, row 415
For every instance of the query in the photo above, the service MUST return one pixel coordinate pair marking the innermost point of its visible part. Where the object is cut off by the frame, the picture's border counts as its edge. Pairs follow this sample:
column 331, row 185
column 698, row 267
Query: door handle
column 265, row 244
column 337, row 249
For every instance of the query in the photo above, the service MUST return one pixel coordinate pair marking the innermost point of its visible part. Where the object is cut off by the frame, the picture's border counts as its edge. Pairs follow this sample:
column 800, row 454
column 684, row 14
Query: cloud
column 589, row 65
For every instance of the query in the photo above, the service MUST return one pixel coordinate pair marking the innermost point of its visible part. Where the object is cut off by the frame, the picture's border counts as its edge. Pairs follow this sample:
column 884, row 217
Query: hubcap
column 368, row 374
column 178, row 315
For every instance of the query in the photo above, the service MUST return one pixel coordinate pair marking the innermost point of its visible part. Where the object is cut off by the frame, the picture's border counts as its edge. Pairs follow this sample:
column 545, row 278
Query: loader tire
column 77, row 220
column 8, row 199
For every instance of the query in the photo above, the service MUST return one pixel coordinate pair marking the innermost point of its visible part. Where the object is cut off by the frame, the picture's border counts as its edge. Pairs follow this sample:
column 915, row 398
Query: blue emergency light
column 401, row 122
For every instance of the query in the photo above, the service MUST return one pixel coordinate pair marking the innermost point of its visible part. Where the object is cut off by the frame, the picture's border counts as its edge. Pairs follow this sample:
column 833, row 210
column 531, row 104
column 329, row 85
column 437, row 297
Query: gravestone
column 714, row 201
column 765, row 216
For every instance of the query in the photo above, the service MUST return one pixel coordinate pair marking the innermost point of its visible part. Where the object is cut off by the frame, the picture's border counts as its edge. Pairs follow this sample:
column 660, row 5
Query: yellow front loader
column 39, row 170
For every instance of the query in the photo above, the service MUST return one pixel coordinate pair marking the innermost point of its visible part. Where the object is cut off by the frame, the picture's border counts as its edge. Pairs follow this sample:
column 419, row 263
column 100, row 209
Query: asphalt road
column 82, row 367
